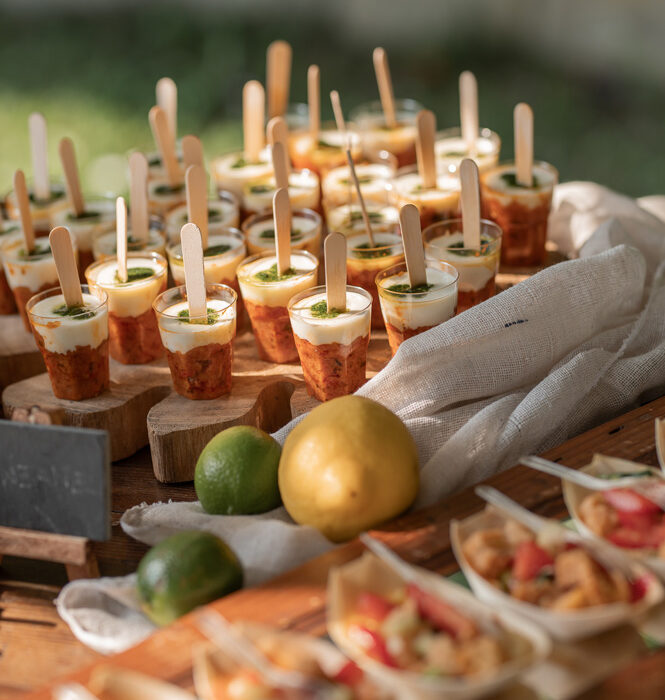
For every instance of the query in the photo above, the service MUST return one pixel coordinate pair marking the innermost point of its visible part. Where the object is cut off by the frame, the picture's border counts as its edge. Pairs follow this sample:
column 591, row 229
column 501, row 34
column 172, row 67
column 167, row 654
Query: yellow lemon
column 350, row 465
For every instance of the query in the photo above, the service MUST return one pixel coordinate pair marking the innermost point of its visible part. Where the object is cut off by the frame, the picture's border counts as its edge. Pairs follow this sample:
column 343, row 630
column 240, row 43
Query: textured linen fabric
column 565, row 350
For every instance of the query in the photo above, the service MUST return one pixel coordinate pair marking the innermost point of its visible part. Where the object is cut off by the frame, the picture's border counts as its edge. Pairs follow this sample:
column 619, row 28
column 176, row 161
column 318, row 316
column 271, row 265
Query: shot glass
column 434, row 203
column 42, row 211
column 304, row 192
column 306, row 227
column 223, row 213
column 451, row 149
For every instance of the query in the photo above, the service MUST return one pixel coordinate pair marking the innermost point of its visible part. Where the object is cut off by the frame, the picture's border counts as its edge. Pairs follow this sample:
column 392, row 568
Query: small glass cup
column 74, row 346
column 326, row 152
column 231, row 171
column 104, row 246
column 304, row 192
column 163, row 196
column 376, row 136
column 156, row 168
column 133, row 330
column 450, row 150
column 332, row 348
column 374, row 179
column 348, row 219
column 444, row 241
column 266, row 301
column 521, row 212
column 10, row 231
column 223, row 213
column 41, row 211
column 409, row 313
column 199, row 350
column 306, row 228
column 364, row 262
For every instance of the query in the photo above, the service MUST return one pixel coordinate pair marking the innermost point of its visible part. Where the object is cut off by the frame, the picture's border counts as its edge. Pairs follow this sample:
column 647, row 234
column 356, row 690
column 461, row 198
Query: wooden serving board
column 19, row 355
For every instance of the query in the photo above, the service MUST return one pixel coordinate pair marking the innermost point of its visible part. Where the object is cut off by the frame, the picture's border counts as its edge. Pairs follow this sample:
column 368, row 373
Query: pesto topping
column 296, row 234
column 216, row 250
column 460, row 250
column 165, row 190
column 77, row 312
column 242, row 163
column 213, row 215
column 134, row 274
column 271, row 274
column 154, row 162
column 83, row 216
column 325, row 144
column 454, row 154
column 365, row 251
column 510, row 180
column 375, row 217
column 261, row 189
column 320, row 310
column 9, row 229
column 406, row 289
column 210, row 320
column 55, row 196
column 40, row 249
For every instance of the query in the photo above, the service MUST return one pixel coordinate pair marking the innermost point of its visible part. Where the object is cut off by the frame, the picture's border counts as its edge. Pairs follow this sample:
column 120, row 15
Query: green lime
column 185, row 570
column 236, row 473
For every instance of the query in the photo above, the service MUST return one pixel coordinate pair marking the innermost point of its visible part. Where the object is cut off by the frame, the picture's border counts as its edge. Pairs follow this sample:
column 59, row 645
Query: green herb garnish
column 76, row 312
column 364, row 180
column 242, row 163
column 454, row 154
column 320, row 310
column 271, row 274
column 261, row 189
column 43, row 249
column 296, row 234
column 213, row 215
column 216, row 250
column 375, row 217
column 154, row 162
column 55, row 196
column 164, row 190
column 510, row 180
column 134, row 274
column 365, row 251
column 210, row 320
column 461, row 251
column 83, row 216
column 324, row 144
column 408, row 289
column 10, row 229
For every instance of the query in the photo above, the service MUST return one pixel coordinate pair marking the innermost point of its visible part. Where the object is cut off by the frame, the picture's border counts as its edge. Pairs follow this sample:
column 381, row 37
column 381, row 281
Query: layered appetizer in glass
column 304, row 192
column 223, row 213
column 323, row 152
column 374, row 179
column 436, row 203
column 105, row 246
column 306, row 227
column 163, row 196
column 42, row 211
column 348, row 219
column 451, row 149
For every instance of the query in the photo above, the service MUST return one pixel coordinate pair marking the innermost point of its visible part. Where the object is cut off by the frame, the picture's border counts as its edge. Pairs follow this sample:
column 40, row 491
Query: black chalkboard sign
column 55, row 479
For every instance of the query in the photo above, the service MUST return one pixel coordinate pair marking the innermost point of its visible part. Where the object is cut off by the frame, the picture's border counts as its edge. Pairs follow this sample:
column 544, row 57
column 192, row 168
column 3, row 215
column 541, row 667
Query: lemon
column 236, row 472
column 350, row 465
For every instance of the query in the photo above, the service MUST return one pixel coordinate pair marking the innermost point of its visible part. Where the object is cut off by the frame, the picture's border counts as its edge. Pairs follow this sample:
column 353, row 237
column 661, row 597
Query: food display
column 306, row 227
column 199, row 350
column 304, row 192
column 451, row 149
column 374, row 180
column 520, row 211
column 348, row 219
column 266, row 295
column 73, row 342
column 223, row 213
column 408, row 311
column 133, row 329
column 477, row 269
column 331, row 343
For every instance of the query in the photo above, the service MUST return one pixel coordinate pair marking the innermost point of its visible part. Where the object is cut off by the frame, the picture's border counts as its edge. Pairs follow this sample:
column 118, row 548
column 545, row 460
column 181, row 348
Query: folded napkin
column 565, row 350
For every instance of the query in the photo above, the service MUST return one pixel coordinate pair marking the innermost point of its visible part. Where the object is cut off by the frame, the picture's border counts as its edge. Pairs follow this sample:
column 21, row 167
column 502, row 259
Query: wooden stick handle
column 166, row 94
column 278, row 132
column 385, row 86
column 65, row 264
column 281, row 211
column 337, row 111
column 278, row 77
column 23, row 201
column 409, row 219
column 334, row 248
column 121, row 237
column 138, row 196
column 253, row 119
column 314, row 100
column 192, row 258
column 192, row 151
column 361, row 199
column 71, row 171
column 468, row 106
column 470, row 204
column 523, row 122
column 165, row 144
column 197, row 200
column 38, row 146
column 280, row 166
column 426, row 123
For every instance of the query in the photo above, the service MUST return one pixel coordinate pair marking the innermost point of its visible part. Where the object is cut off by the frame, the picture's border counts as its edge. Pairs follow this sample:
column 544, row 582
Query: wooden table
column 36, row 645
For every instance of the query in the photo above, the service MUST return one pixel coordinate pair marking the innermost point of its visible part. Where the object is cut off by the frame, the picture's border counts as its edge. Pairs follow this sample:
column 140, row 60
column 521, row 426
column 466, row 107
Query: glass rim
column 385, row 246
column 401, row 267
column 543, row 164
column 91, row 201
column 55, row 291
column 321, row 289
column 456, row 131
column 173, row 252
column 271, row 254
column 157, row 257
column 267, row 213
column 153, row 233
column 487, row 226
column 181, row 290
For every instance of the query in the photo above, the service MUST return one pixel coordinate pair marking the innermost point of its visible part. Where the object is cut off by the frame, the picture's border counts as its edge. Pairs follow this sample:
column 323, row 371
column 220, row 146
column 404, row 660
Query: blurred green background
column 91, row 68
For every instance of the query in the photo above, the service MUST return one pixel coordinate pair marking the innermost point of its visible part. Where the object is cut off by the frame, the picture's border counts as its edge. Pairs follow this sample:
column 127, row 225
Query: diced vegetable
column 373, row 643
column 529, row 560
column 374, row 606
column 441, row 615
column 627, row 501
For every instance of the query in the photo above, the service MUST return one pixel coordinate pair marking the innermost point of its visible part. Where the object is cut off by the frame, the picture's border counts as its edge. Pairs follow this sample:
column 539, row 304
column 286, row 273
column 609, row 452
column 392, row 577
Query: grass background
column 92, row 74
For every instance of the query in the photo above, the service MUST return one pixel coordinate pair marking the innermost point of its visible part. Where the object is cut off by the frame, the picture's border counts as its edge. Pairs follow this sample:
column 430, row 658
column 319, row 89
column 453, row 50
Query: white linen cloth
column 565, row 350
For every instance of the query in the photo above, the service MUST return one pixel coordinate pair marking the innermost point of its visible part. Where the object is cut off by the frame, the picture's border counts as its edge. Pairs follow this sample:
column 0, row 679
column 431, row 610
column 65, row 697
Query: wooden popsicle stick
column 38, row 146
column 138, row 196
column 385, row 86
column 409, row 219
column 279, row 164
column 192, row 258
column 278, row 132
column 65, row 264
column 121, row 237
column 196, row 182
column 278, row 77
column 165, row 144
column 361, row 201
column 523, row 123
column 166, row 94
column 281, row 211
column 23, row 201
column 334, row 249
column 314, row 100
column 71, row 171
column 337, row 111
column 468, row 107
column 470, row 204
column 192, row 151
column 426, row 123
column 253, row 119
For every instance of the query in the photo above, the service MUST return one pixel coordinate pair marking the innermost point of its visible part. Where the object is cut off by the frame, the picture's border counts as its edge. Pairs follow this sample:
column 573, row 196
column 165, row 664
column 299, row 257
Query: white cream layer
column 419, row 310
column 63, row 334
column 348, row 219
column 303, row 143
column 105, row 246
column 303, row 191
column 444, row 197
column 179, row 336
column 133, row 298
column 396, row 140
column 229, row 178
column 225, row 215
column 474, row 271
column 383, row 262
column 86, row 230
column 34, row 274
column 217, row 268
column 342, row 329
column 447, row 152
column 374, row 179
column 532, row 197
column 303, row 232
column 276, row 293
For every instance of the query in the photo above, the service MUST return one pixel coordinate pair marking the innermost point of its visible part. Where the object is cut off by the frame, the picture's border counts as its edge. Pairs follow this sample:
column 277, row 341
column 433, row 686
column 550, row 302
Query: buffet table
column 37, row 646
